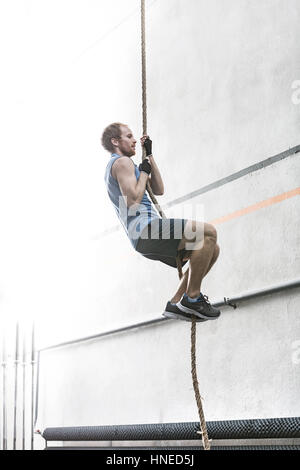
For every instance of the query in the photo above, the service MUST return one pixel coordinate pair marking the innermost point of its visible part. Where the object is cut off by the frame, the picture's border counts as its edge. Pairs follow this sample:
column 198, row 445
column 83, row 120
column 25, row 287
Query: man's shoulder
column 121, row 164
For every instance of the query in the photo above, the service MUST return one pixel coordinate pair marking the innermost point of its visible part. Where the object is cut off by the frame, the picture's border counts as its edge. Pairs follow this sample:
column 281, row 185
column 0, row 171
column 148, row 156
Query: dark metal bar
column 269, row 428
column 16, row 388
column 217, row 184
column 37, row 382
column 32, row 385
column 24, row 392
column 4, row 409
column 260, row 293
column 106, row 333
column 181, row 449
column 239, row 174
column 225, row 302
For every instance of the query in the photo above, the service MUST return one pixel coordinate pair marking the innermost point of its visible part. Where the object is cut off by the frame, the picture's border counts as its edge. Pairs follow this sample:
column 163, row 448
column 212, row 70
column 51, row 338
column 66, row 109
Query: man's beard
column 129, row 153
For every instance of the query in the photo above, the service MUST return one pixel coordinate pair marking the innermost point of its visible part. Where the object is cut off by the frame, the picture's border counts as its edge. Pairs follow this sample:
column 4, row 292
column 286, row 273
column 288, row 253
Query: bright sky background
column 61, row 67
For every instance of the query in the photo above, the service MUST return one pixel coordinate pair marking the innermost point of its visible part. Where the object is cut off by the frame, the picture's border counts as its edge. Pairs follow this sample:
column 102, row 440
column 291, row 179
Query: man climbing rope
column 166, row 240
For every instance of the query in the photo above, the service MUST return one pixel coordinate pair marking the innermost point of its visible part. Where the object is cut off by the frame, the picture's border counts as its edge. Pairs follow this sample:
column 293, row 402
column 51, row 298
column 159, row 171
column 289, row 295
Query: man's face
column 126, row 143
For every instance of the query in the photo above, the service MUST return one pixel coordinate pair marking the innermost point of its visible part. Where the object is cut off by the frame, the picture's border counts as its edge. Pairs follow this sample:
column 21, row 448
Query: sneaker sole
column 194, row 312
column 176, row 316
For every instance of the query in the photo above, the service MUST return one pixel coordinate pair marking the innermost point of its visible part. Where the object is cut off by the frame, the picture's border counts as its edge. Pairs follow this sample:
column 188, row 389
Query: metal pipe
column 180, row 449
column 231, row 301
column 24, row 392
column 4, row 410
column 266, row 428
column 16, row 388
column 260, row 293
column 216, row 184
column 37, row 389
column 106, row 333
column 32, row 384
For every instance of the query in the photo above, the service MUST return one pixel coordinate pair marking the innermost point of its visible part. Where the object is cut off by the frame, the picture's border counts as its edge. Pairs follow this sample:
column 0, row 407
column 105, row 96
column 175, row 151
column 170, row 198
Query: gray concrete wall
column 220, row 98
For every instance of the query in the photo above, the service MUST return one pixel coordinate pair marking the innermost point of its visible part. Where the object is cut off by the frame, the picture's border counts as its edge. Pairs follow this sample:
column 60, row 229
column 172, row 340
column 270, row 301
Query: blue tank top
column 138, row 216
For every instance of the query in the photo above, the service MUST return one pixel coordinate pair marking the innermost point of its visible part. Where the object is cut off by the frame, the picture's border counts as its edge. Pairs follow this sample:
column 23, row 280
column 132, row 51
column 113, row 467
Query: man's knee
column 210, row 231
column 195, row 232
column 216, row 252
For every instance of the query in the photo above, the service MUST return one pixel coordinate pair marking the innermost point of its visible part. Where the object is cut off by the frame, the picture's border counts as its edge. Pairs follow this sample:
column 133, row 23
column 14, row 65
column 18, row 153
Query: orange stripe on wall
column 257, row 206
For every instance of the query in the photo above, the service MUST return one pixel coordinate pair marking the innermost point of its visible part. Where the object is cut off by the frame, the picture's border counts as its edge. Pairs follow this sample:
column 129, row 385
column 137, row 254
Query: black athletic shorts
column 160, row 239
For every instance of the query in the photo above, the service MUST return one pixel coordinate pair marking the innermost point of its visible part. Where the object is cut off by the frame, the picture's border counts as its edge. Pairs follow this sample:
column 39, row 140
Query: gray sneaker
column 201, row 308
column 172, row 311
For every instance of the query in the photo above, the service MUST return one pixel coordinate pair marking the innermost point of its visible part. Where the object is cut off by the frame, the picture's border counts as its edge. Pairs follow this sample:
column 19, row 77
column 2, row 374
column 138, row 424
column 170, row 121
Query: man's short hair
column 113, row 131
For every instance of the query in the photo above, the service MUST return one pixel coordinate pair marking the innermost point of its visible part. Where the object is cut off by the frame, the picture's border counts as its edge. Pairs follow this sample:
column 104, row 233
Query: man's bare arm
column 156, row 181
column 124, row 172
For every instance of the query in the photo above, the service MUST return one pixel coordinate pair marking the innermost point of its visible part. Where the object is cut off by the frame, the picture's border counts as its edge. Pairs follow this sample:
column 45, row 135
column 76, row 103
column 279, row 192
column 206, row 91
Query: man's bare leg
column 201, row 239
column 200, row 260
column 184, row 281
column 181, row 288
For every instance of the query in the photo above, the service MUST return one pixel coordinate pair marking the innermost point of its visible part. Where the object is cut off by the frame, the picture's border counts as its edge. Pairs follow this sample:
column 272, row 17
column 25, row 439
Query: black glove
column 145, row 166
column 148, row 146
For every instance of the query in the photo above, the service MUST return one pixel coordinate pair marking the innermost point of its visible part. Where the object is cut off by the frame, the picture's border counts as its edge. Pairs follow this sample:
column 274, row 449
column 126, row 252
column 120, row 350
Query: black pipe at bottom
column 180, row 449
column 236, row 429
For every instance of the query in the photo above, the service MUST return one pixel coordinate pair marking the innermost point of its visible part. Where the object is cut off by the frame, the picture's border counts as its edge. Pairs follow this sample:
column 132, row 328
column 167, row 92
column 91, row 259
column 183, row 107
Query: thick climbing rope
column 204, row 434
column 144, row 99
